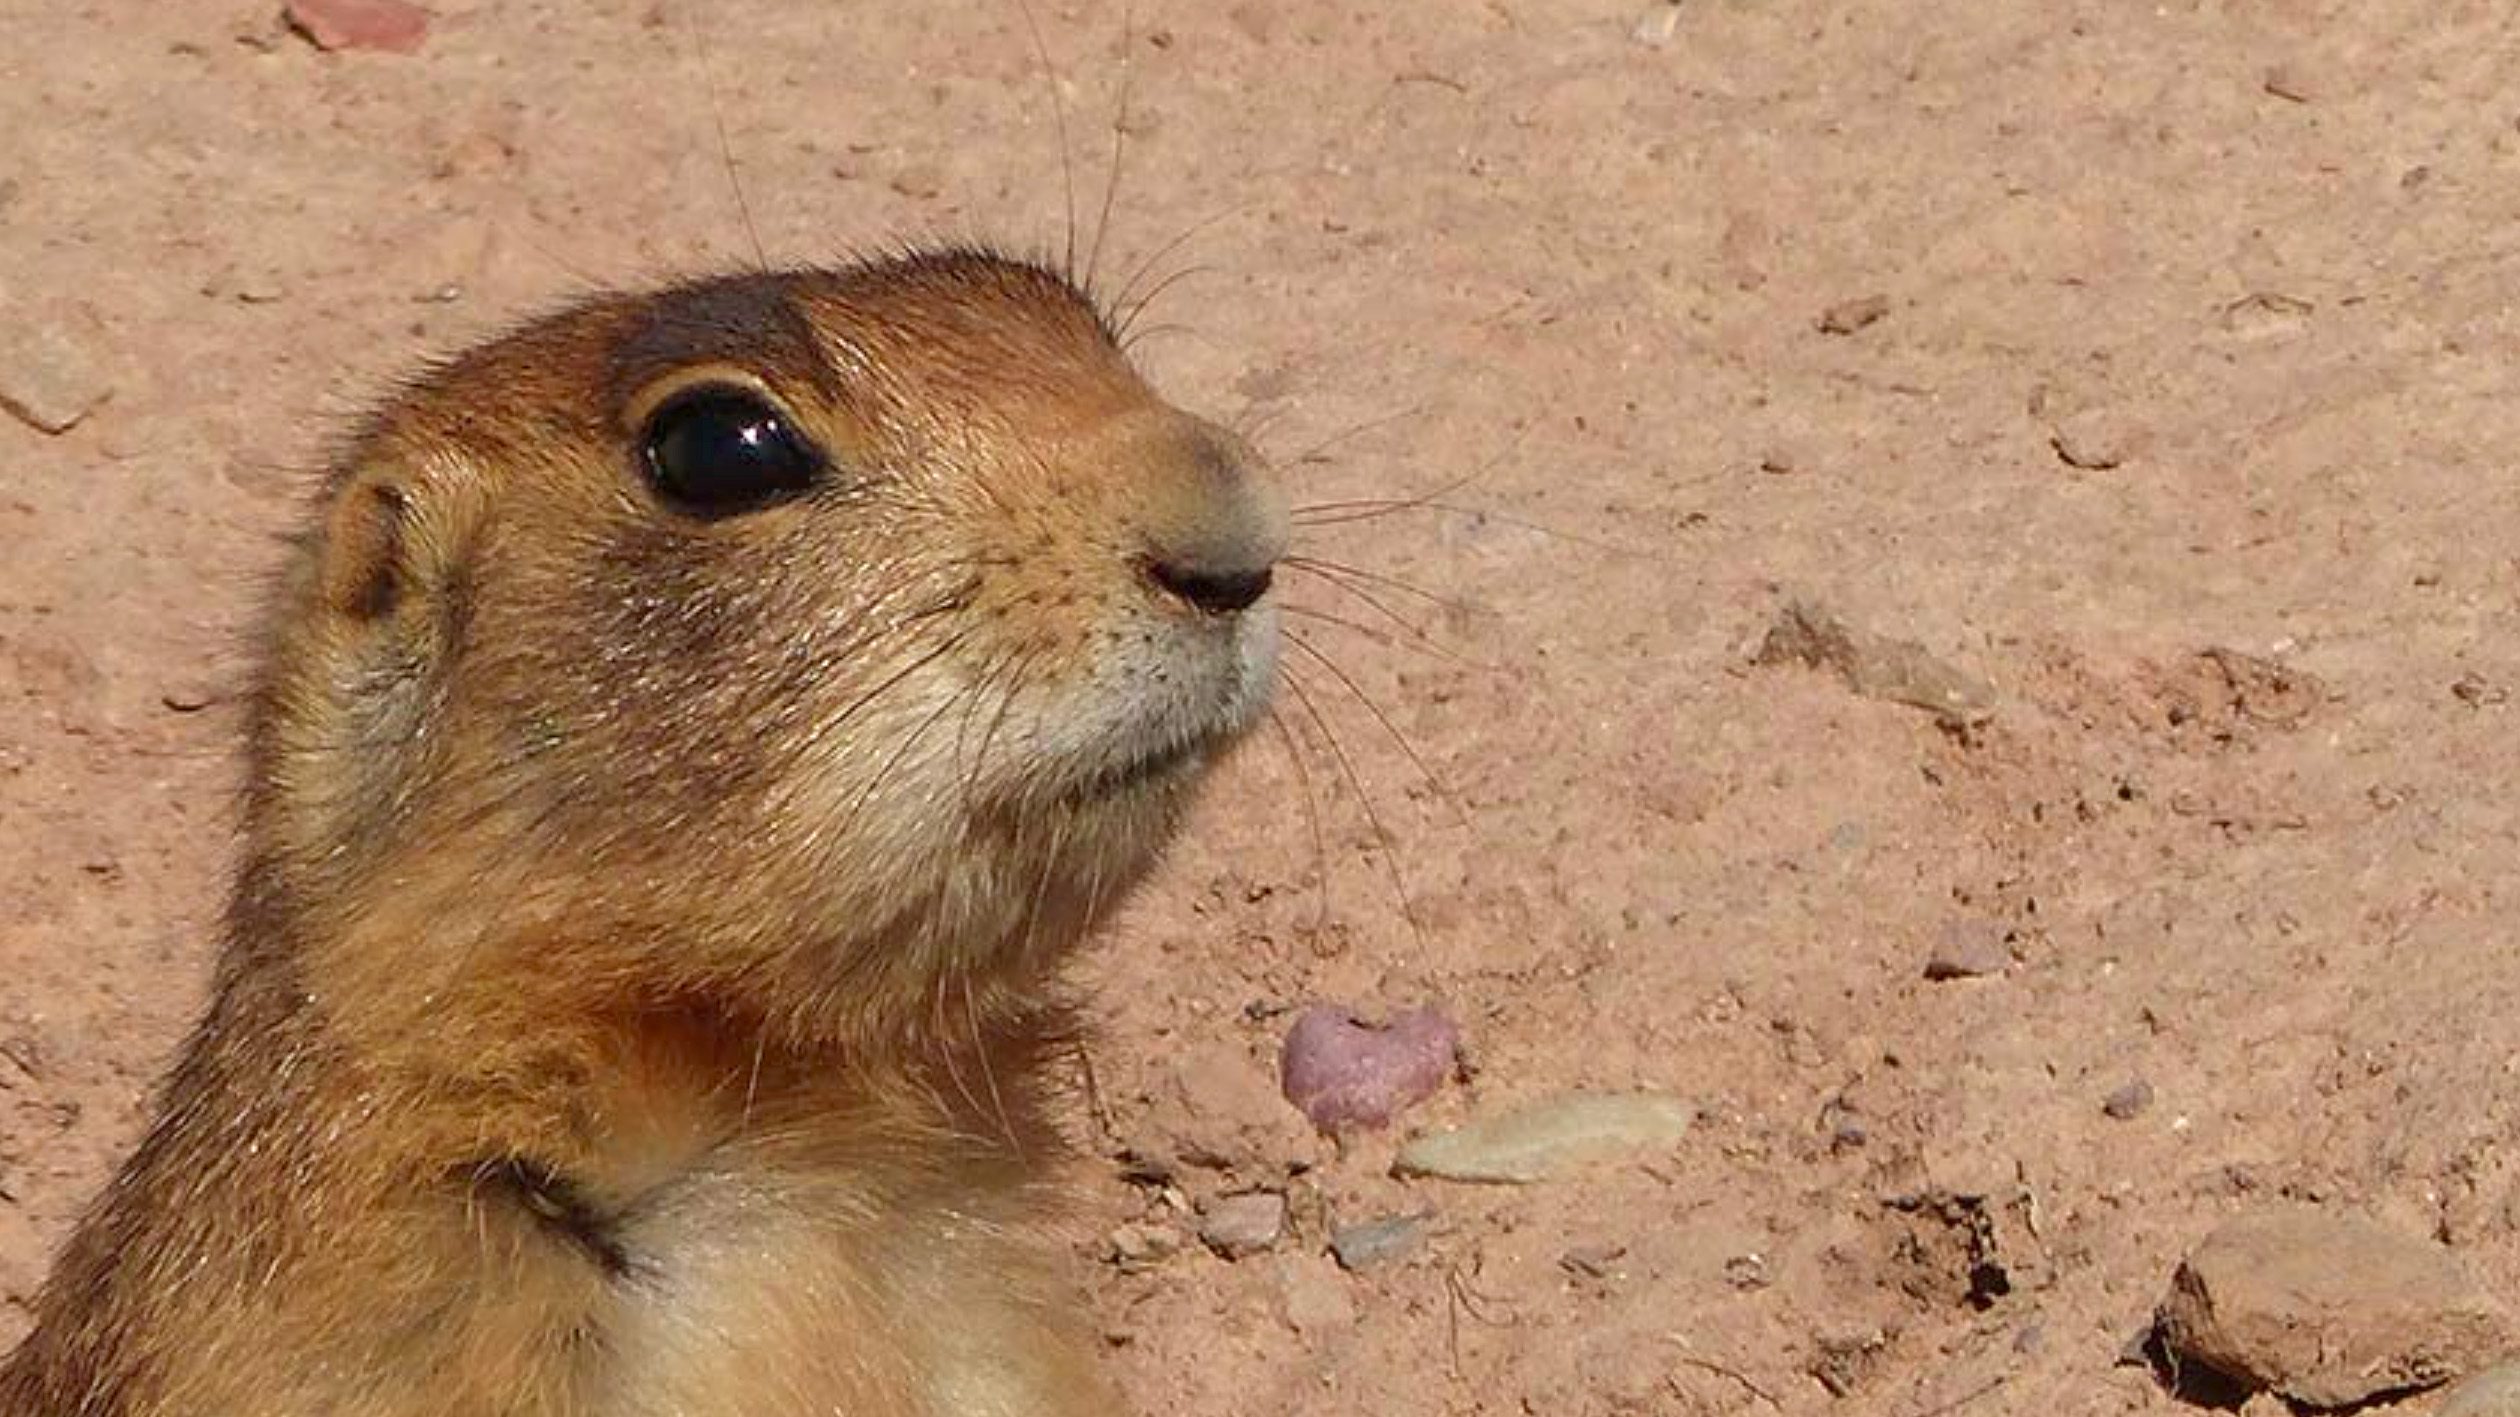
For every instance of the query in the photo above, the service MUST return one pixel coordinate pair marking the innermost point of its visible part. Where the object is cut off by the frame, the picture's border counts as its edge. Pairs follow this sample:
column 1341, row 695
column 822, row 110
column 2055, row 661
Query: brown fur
column 636, row 996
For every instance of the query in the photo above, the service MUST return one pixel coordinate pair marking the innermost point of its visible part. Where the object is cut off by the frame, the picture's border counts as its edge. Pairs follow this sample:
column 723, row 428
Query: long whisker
column 1129, row 314
column 1410, row 638
column 1407, row 749
column 1120, row 299
column 1058, row 122
column 1119, row 144
column 1312, row 819
column 1341, row 573
column 1365, row 802
column 1323, row 514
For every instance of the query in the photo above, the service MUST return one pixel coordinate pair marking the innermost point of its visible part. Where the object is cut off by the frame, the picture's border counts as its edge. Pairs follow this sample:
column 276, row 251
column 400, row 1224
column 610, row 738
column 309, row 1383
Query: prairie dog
column 693, row 729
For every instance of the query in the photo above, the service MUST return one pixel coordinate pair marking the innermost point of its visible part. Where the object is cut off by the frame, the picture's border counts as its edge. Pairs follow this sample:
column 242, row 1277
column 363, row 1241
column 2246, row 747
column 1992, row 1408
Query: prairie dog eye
column 718, row 450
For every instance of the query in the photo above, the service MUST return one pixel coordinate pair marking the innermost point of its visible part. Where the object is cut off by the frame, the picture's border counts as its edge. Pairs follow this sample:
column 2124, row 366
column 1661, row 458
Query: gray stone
column 1552, row 1137
column 1376, row 1242
column 1236, row 1226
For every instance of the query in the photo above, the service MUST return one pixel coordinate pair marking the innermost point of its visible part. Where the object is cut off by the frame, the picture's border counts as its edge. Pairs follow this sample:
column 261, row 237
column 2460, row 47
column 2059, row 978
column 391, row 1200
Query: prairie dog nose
column 1216, row 526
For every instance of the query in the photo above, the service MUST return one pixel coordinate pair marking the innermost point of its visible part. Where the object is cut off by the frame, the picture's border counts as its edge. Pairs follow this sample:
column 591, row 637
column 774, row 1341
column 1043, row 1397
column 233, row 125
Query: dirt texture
column 2152, row 370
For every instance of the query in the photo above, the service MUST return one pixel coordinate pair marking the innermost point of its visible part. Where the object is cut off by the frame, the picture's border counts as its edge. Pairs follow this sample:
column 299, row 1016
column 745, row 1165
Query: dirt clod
column 1876, row 666
column 2129, row 1100
column 1848, row 316
column 1968, row 949
column 48, row 379
column 2327, row 1310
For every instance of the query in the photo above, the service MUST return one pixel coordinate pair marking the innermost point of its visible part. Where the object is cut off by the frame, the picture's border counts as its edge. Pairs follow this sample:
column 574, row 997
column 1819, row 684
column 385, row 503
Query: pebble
column 2327, row 1310
column 1134, row 1247
column 2129, row 1101
column 1343, row 1073
column 1238, row 1226
column 1658, row 24
column 1968, row 949
column 1549, row 1138
column 48, row 381
column 2094, row 440
column 1362, row 1246
column 391, row 26
column 1877, row 666
column 1848, row 316
column 2492, row 1393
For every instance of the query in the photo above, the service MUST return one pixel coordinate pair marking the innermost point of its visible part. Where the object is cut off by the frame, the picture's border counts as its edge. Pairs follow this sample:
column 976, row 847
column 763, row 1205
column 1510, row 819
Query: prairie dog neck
column 695, row 727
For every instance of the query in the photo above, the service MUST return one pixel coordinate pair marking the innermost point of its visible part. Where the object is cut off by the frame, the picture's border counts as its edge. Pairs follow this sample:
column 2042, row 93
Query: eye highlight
column 718, row 450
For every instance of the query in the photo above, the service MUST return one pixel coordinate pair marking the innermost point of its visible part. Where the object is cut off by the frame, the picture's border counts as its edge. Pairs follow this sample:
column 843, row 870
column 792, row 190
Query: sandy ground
column 2181, row 419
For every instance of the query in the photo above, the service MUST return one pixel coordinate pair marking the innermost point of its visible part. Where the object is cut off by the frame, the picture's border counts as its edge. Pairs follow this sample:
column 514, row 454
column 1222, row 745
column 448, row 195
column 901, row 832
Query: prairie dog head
column 806, row 640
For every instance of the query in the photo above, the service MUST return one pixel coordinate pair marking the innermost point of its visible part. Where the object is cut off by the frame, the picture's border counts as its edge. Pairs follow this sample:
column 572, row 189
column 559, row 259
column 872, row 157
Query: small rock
column 1848, row 316
column 2327, row 1310
column 2290, row 83
column 47, row 380
column 391, row 26
column 1552, row 1137
column 2129, row 1101
column 1358, row 1247
column 1342, row 1072
column 2095, row 440
column 1877, row 666
column 1658, row 24
column 1134, row 1247
column 1968, row 949
column 2492, row 1393
column 189, row 696
column 1236, row 1226
column 1593, row 1261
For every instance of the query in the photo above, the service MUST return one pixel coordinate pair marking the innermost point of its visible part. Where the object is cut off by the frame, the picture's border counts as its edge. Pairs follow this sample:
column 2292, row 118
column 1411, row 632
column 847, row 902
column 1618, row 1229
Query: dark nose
column 1214, row 591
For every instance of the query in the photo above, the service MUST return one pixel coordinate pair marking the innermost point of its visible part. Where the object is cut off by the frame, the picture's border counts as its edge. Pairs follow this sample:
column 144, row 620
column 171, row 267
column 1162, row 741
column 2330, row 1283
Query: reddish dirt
column 2182, row 419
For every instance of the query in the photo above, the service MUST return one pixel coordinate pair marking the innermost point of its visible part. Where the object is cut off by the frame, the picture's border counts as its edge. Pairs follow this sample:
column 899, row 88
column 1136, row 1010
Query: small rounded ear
column 363, row 573
column 395, row 532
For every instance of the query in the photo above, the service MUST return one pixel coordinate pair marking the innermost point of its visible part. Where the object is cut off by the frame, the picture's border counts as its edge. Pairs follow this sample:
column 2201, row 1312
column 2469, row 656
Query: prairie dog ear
column 394, row 534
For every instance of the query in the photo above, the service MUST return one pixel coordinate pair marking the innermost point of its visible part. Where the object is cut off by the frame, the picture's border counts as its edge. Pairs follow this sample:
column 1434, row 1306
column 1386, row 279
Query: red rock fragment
column 392, row 26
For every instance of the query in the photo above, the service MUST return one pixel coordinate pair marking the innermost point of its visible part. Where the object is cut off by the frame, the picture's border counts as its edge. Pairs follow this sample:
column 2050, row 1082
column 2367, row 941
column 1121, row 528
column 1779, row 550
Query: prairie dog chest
column 744, row 1295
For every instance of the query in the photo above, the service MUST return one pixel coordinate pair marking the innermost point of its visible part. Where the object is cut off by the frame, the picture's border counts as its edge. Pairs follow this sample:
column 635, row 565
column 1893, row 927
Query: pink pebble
column 1345, row 1073
column 395, row 26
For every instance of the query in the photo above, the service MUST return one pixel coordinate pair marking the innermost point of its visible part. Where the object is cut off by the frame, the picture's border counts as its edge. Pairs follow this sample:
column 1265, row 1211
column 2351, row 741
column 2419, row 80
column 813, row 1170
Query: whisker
column 1407, row 749
column 1411, row 638
column 1312, row 819
column 1119, row 146
column 1058, row 122
column 988, row 1069
column 1342, row 513
column 1129, row 314
column 1316, row 452
column 1120, row 300
column 1340, row 573
column 1365, row 802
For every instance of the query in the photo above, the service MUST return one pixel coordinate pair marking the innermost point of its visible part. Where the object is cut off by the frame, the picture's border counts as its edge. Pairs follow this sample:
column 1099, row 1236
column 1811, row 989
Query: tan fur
column 635, row 1000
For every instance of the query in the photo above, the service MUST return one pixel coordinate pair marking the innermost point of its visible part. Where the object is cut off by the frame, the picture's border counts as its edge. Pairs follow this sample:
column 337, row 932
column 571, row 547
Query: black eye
column 717, row 451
